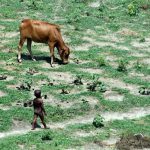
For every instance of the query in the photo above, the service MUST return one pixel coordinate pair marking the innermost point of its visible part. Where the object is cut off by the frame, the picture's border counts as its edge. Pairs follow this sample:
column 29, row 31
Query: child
column 39, row 110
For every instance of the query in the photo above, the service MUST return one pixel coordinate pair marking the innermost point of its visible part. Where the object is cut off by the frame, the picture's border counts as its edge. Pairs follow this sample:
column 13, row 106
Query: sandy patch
column 4, row 107
column 94, row 4
column 55, row 102
column 92, row 70
column 142, row 45
column 8, row 20
column 97, row 43
column 91, row 100
column 9, row 34
column 83, row 47
column 146, row 61
column 120, row 84
column 12, row 86
column 2, row 28
column 10, row 68
column 133, row 113
column 112, row 38
column 60, row 76
column 127, row 32
column 138, row 54
column 121, row 47
column 2, row 94
column 2, row 62
column 113, row 96
column 111, row 58
column 140, row 75
column 93, row 146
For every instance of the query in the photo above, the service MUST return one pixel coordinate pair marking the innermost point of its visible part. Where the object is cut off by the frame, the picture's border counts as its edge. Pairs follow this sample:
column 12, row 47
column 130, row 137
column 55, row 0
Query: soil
column 2, row 94
column 130, row 142
column 113, row 96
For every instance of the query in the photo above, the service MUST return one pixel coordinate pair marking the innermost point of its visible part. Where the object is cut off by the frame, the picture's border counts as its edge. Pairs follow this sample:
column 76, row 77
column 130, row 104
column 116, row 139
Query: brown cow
column 42, row 32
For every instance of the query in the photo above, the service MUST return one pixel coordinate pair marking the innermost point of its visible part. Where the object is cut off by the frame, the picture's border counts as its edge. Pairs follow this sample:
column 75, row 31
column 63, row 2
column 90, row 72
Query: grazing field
column 101, row 99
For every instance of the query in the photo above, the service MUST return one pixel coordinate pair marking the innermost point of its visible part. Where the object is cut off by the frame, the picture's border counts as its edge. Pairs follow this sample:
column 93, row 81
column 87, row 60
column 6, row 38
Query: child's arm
column 43, row 109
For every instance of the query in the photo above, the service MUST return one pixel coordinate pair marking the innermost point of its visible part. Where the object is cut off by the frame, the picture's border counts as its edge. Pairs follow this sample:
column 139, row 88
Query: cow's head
column 64, row 54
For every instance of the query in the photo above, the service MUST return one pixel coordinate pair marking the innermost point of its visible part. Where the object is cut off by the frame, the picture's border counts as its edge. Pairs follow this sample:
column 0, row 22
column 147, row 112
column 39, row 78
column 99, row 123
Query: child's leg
column 42, row 120
column 34, row 121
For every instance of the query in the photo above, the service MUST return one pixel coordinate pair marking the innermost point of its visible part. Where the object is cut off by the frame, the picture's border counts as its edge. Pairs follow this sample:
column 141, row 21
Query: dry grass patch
column 10, row 34
column 2, row 94
column 120, row 84
column 127, row 32
column 131, row 114
column 142, row 45
column 91, row 100
column 92, row 70
column 60, row 76
column 113, row 96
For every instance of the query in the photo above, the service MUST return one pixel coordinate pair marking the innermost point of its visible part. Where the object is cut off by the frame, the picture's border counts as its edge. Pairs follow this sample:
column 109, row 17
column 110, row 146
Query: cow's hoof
column 19, row 60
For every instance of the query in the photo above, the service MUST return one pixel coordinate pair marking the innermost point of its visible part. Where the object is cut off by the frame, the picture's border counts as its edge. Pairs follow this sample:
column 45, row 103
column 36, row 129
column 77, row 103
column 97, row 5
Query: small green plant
column 96, row 85
column 133, row 8
column 26, row 85
column 101, row 61
column 142, row 40
column 78, row 80
column 85, row 106
column 144, row 91
column 138, row 65
column 122, row 66
column 98, row 121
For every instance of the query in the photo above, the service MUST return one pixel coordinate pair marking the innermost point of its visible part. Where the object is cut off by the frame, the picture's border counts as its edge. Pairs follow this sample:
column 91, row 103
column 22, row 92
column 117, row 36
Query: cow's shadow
column 41, row 58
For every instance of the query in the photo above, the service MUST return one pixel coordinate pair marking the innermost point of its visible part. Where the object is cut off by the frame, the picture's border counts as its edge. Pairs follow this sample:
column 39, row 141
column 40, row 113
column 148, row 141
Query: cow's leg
column 51, row 47
column 29, row 42
column 21, row 42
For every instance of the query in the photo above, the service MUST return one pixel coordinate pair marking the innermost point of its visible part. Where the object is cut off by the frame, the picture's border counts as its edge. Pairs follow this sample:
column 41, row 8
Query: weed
column 85, row 106
column 122, row 66
column 96, row 85
column 101, row 61
column 133, row 8
column 142, row 40
column 78, row 80
column 144, row 91
column 26, row 85
column 3, row 77
column 98, row 121
column 138, row 65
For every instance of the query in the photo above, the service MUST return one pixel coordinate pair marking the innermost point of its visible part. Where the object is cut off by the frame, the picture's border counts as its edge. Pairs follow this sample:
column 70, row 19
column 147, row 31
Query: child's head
column 37, row 93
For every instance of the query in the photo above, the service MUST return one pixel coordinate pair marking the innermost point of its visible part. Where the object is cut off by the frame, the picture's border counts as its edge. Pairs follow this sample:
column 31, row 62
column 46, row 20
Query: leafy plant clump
column 78, row 80
column 101, row 61
column 96, row 86
column 98, row 121
column 26, row 85
column 133, row 8
column 122, row 66
column 144, row 91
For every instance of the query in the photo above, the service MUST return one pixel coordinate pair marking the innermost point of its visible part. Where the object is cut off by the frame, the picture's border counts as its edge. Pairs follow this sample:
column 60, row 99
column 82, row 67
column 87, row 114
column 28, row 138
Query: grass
column 79, row 22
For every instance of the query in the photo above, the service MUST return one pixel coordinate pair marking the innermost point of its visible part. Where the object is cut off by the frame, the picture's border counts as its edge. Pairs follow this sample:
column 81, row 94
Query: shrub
column 98, row 121
column 96, row 85
column 133, row 8
column 122, row 66
column 78, row 80
column 101, row 61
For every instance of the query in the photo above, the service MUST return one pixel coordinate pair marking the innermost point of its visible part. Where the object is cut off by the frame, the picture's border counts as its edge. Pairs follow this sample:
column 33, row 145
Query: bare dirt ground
column 134, row 113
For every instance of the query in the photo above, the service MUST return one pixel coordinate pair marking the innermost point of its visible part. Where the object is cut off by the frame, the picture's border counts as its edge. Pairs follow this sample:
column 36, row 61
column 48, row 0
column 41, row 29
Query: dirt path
column 134, row 113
